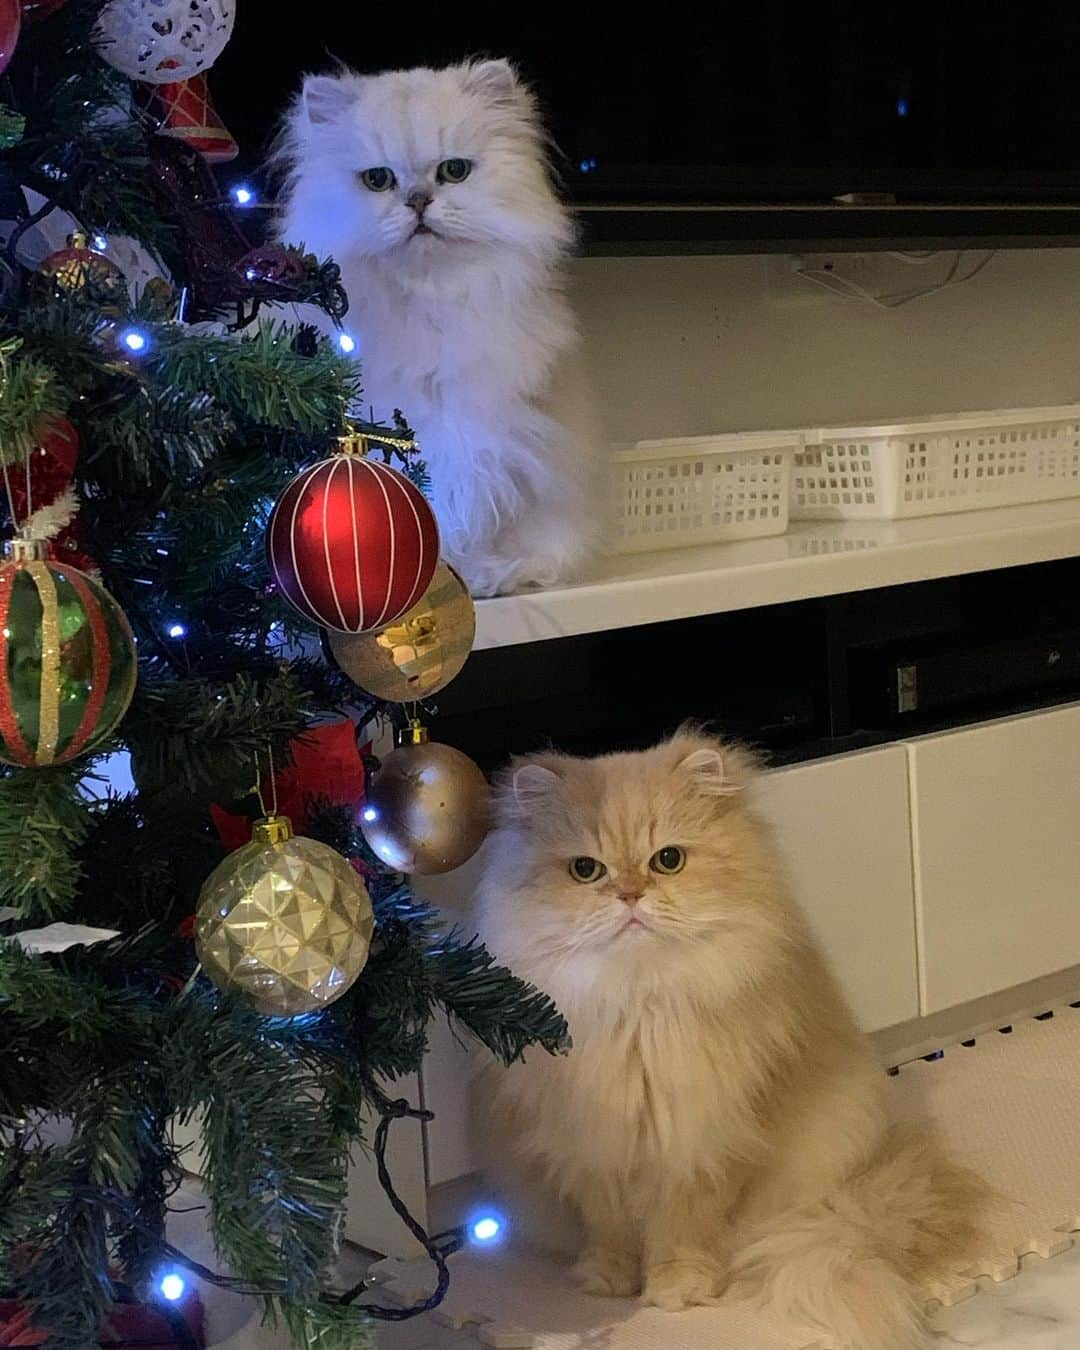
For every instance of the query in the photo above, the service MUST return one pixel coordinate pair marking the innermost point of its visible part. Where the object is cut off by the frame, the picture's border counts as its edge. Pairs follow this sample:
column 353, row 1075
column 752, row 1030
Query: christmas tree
column 150, row 415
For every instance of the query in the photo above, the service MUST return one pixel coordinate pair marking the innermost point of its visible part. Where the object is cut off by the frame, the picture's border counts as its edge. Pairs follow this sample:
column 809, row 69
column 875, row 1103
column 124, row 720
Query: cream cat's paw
column 608, row 1273
column 684, row 1284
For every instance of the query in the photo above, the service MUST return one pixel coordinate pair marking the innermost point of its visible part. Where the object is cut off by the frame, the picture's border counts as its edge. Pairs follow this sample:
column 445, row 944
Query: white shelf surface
column 814, row 558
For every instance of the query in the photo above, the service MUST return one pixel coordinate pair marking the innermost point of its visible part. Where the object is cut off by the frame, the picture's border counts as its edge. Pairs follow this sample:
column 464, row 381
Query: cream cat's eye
column 379, row 179
column 454, row 170
column 587, row 870
column 668, row 860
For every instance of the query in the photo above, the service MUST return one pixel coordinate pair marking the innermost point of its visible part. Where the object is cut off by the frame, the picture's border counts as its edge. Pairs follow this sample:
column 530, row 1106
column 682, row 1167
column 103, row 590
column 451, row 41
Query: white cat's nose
column 419, row 200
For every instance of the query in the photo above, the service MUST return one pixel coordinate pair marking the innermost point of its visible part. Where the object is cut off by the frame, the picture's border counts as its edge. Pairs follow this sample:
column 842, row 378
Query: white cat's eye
column 668, row 860
column 379, row 179
column 587, row 870
column 454, row 170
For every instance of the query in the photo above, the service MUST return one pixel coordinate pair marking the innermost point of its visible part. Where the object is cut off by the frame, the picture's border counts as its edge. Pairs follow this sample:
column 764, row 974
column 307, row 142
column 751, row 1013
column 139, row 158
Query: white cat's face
column 421, row 165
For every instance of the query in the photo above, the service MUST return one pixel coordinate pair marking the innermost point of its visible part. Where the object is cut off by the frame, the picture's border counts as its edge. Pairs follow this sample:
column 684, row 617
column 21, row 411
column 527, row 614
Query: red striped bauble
column 352, row 543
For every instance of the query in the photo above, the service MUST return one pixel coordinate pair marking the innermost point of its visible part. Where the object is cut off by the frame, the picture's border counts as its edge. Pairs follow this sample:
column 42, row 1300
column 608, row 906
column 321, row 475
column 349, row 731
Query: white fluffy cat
column 719, row 1119
column 430, row 188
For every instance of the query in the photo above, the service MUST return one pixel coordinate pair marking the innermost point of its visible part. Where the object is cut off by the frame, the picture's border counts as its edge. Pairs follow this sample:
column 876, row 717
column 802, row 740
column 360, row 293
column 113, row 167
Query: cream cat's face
column 633, row 858
column 425, row 163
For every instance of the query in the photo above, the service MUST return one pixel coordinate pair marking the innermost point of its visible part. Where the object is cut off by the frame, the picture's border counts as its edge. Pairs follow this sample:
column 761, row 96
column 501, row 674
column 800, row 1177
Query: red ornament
column 52, row 465
column 327, row 766
column 51, row 507
column 185, row 112
column 352, row 544
column 10, row 23
column 161, row 1328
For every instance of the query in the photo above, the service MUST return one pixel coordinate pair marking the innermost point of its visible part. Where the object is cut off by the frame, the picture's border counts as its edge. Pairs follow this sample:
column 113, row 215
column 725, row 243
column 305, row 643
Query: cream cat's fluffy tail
column 853, row 1265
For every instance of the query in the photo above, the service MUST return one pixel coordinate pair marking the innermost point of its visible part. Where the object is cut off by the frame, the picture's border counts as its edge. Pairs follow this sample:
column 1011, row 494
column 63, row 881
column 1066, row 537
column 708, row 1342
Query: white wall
column 686, row 346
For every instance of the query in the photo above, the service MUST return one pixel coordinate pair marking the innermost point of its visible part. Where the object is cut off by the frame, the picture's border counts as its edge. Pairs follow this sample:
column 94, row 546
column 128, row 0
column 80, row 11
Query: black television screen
column 948, row 103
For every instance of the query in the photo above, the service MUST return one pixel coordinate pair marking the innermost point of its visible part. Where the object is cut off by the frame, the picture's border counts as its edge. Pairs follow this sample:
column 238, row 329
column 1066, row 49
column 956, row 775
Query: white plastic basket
column 701, row 489
column 935, row 465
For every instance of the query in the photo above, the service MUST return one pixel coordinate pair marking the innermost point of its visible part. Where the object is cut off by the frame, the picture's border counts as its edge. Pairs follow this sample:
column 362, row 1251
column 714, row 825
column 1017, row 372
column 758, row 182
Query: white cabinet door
column 996, row 815
column 843, row 825
column 451, row 1058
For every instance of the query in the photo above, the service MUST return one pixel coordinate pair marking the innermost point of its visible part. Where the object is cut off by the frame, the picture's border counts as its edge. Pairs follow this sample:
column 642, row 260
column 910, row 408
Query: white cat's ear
column 707, row 766
column 531, row 785
column 496, row 80
column 325, row 97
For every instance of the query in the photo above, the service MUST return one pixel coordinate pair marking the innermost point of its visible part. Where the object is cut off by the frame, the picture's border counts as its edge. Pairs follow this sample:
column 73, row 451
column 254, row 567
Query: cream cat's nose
column 629, row 897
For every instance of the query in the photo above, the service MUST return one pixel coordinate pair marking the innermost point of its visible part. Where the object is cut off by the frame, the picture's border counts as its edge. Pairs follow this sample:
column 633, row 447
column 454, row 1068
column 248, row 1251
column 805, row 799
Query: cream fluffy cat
column 430, row 188
column 720, row 1118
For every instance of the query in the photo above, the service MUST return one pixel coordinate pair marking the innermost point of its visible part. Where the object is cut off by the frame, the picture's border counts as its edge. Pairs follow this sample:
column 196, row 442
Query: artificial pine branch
column 43, row 820
column 28, row 393
column 182, row 453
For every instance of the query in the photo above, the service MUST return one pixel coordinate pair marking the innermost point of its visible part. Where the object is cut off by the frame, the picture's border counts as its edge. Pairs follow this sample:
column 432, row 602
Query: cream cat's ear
column 324, row 98
column 715, row 772
column 524, row 788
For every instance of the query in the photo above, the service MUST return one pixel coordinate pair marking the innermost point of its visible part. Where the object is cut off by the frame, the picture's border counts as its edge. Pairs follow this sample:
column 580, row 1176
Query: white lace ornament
column 163, row 41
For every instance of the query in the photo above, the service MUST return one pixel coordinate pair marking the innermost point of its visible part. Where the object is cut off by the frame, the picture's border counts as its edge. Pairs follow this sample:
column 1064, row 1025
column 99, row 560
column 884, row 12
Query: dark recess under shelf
column 800, row 680
column 657, row 231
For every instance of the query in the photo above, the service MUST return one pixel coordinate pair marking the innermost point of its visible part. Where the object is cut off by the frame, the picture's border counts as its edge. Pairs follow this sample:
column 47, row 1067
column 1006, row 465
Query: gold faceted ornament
column 285, row 920
column 421, row 652
column 429, row 808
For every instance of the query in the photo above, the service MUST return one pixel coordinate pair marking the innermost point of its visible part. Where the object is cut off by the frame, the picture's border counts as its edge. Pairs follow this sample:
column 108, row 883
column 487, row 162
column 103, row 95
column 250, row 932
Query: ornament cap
column 23, row 549
column 271, row 830
column 78, row 239
column 414, row 734
column 353, row 441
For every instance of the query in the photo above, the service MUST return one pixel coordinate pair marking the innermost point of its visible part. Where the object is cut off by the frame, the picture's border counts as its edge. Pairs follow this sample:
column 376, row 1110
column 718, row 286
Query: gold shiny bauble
column 284, row 919
column 420, row 653
column 80, row 268
column 428, row 810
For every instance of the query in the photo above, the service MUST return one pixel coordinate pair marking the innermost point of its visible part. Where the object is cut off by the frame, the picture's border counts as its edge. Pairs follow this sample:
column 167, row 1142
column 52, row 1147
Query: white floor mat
column 1010, row 1107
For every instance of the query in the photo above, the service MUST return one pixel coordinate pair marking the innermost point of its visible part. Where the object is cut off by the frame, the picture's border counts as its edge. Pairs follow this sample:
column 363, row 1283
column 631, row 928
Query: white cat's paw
column 484, row 576
column 684, row 1284
column 608, row 1273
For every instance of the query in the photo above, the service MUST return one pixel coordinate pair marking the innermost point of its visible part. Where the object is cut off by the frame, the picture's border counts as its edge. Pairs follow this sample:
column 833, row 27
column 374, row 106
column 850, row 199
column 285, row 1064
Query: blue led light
column 369, row 814
column 901, row 107
column 135, row 340
column 486, row 1229
column 347, row 343
column 176, row 630
column 243, row 195
column 100, row 243
column 588, row 165
column 172, row 1286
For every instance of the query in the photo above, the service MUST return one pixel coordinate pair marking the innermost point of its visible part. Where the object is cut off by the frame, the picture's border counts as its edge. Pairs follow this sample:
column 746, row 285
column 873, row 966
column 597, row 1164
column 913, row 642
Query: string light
column 100, row 243
column 176, row 630
column 486, row 1229
column 171, row 1287
column 243, row 195
column 135, row 340
column 347, row 343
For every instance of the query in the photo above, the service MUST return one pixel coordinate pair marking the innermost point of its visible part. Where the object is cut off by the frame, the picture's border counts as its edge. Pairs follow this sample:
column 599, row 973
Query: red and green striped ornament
column 67, row 659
